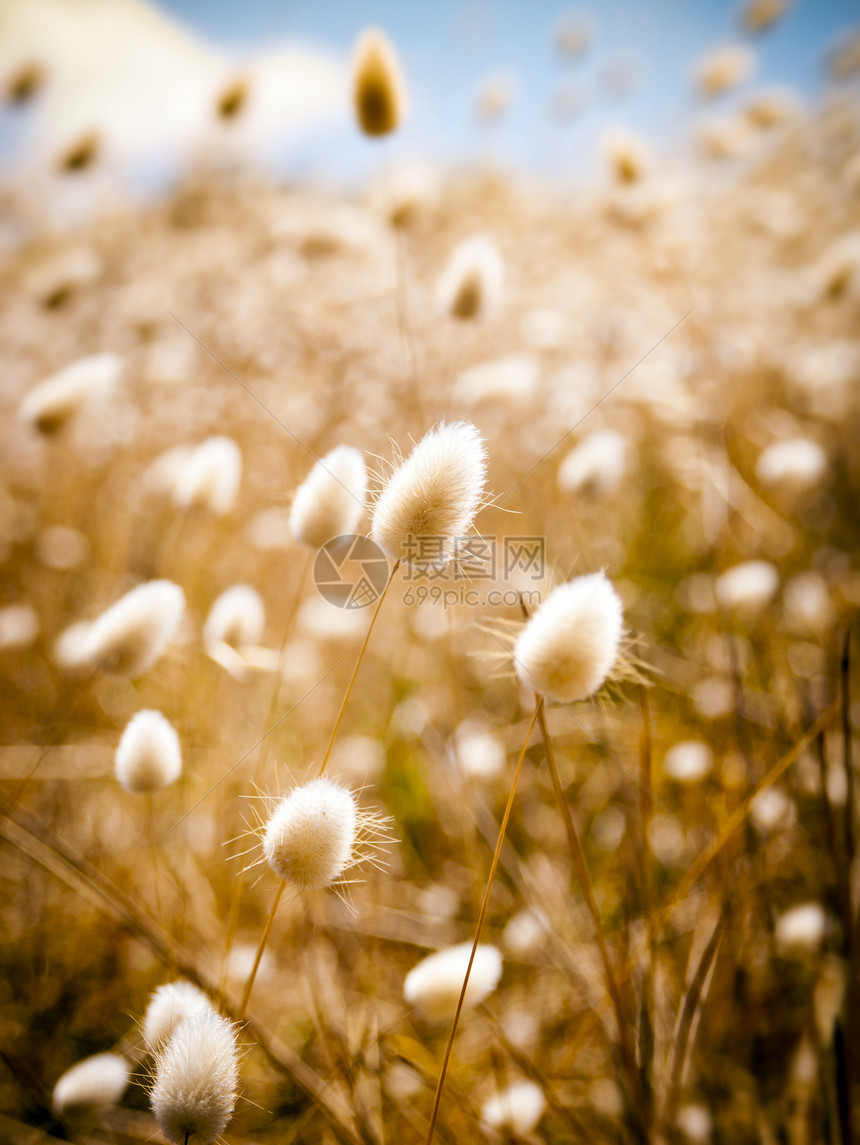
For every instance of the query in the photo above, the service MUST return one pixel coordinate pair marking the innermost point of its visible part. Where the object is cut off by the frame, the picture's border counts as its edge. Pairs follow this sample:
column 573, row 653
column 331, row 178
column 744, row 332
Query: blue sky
column 449, row 47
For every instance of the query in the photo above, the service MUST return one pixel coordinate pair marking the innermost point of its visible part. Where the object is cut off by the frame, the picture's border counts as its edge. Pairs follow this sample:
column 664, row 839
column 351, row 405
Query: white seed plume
column 55, row 401
column 318, row 832
column 629, row 157
column 795, row 464
column 747, row 587
column 237, row 617
column 514, row 380
column 330, row 501
column 480, row 753
column 696, row 1123
column 801, row 928
column 772, row 810
column 148, row 755
column 196, row 1076
column 94, row 1083
column 71, row 648
column 434, row 985
column 570, row 645
column 724, row 68
column 517, row 1109
column 378, row 87
column 688, row 761
column 210, row 477
column 597, row 464
column 472, row 283
column 808, row 606
column 757, row 15
column 434, row 493
column 135, row 631
column 169, row 1005
column 19, row 626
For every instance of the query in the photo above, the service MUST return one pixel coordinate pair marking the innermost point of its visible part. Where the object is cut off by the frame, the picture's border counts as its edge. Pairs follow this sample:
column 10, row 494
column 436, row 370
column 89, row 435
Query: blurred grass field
column 702, row 318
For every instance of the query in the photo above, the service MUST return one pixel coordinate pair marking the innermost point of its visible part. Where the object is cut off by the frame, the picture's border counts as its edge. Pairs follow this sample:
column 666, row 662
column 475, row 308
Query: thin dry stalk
column 339, row 719
column 482, row 916
column 637, row 1095
column 261, row 946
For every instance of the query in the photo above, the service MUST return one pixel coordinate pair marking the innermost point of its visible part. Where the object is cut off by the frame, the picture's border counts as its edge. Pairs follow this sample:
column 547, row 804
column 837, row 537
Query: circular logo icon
column 351, row 571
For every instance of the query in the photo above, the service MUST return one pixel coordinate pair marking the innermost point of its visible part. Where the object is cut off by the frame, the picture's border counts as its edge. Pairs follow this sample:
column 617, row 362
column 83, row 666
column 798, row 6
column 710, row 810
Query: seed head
column 797, row 464
column 518, row 1109
column 378, row 88
column 597, row 464
column 51, row 404
column 434, row 985
column 135, row 631
column 310, row 839
column 237, row 617
column 196, row 1075
column 568, row 648
column 148, row 755
column 330, row 501
column 724, row 68
column 801, row 928
column 210, row 477
column 434, row 493
column 747, row 587
column 169, row 1005
column 471, row 284
column 96, row 1082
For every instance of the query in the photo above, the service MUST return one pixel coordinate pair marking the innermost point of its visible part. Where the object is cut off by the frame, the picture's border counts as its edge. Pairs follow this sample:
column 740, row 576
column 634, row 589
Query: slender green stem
column 339, row 719
column 484, row 907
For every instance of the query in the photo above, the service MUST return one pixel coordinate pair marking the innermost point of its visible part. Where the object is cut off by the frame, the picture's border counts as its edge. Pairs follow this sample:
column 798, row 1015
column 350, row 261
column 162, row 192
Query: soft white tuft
column 796, row 464
column 196, row 1075
column 801, row 928
column 434, row 985
column 688, row 761
column 94, row 1083
column 210, row 477
column 517, row 1109
column 434, row 493
column 19, row 625
column 169, row 1005
column 513, row 379
column 135, row 631
column 237, row 617
column 747, row 587
column 55, row 401
column 311, row 837
column 480, row 753
column 809, row 608
column 148, row 755
column 597, row 464
column 568, row 648
column 330, row 501
column 472, row 283
column 724, row 68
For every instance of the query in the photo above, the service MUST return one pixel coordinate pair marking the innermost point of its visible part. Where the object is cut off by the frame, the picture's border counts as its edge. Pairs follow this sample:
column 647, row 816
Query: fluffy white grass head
column 318, row 832
column 517, row 1109
column 94, row 1083
column 597, row 464
column 71, row 648
column 809, row 609
column 747, row 587
column 629, row 157
column 19, row 625
column 169, row 1005
column 757, row 15
column 330, row 501
column 210, row 477
column 55, row 401
column 378, row 87
column 570, row 645
column 434, row 493
column 801, row 929
column 434, row 985
column 135, row 631
column 196, row 1075
column 772, row 810
column 724, row 68
column 795, row 464
column 237, row 617
column 688, row 761
column 513, row 380
column 148, row 755
column 473, row 281
column 480, row 753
